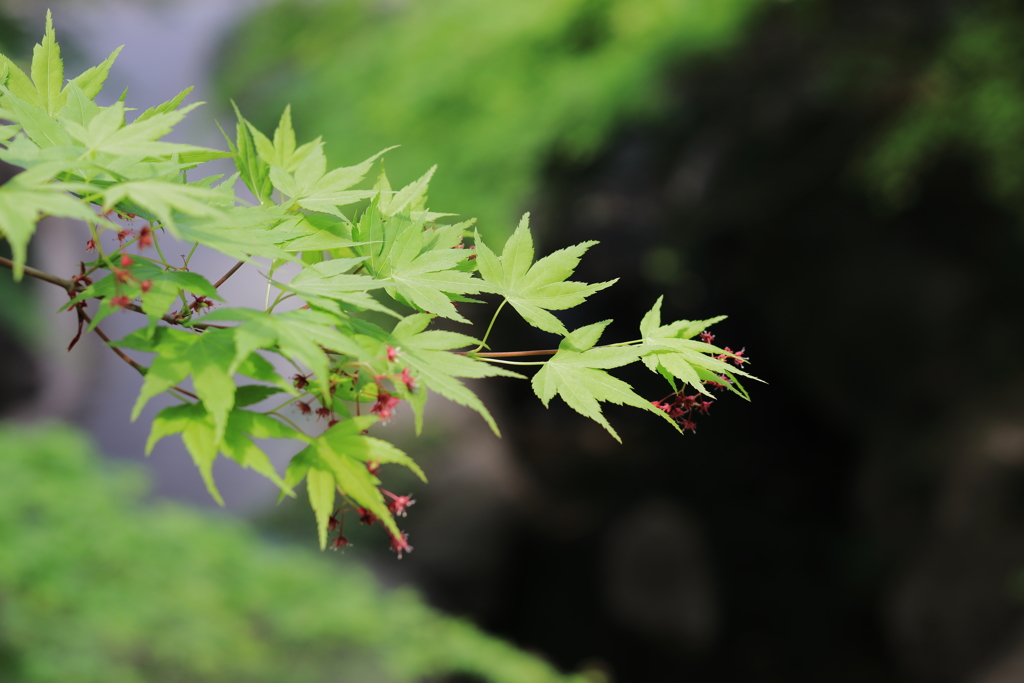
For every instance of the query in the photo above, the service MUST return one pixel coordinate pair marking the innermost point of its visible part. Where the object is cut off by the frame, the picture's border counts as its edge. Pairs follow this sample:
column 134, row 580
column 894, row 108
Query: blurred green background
column 843, row 178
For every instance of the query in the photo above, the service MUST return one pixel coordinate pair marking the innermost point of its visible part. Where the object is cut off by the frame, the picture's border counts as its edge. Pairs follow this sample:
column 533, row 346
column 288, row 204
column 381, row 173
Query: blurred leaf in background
column 490, row 91
column 968, row 102
column 95, row 586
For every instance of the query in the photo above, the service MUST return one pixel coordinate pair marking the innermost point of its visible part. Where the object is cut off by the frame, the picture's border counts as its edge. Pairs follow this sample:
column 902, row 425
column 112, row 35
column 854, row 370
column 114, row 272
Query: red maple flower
column 90, row 245
column 145, row 237
column 392, row 354
column 400, row 544
column 126, row 260
column 300, row 381
column 385, row 405
column 303, row 407
column 120, row 302
column 332, row 522
column 407, row 379
column 200, row 302
column 340, row 542
column 146, row 284
column 707, row 337
column 366, row 517
column 122, row 235
column 323, row 412
column 399, row 504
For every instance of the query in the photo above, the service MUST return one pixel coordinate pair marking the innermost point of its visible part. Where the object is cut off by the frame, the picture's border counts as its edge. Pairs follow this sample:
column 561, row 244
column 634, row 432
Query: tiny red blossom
column 121, row 275
column 126, row 260
column 333, row 523
column 392, row 354
column 707, row 337
column 373, row 467
column 145, row 238
column 399, row 504
column 366, row 517
column 120, row 302
column 400, row 544
column 146, row 284
column 323, row 412
column 90, row 245
column 407, row 379
column 385, row 405
column 300, row 381
column 122, row 235
column 303, row 407
column 340, row 542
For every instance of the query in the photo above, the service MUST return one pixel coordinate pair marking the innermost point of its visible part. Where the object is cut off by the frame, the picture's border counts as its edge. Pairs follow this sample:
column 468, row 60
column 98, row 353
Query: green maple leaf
column 533, row 289
column 326, row 283
column 28, row 196
column 670, row 351
column 577, row 374
column 312, row 187
column 304, row 335
column 210, row 358
column 336, row 460
column 163, row 291
column 421, row 267
column 199, row 433
column 427, row 354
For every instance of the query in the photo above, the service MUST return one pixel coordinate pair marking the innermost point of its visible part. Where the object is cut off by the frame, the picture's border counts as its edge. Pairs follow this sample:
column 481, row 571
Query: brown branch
column 142, row 370
column 77, row 287
column 228, row 274
column 40, row 275
column 119, row 352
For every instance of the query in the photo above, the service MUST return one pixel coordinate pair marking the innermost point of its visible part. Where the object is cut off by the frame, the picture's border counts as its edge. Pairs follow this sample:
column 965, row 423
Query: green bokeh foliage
column 96, row 586
column 489, row 91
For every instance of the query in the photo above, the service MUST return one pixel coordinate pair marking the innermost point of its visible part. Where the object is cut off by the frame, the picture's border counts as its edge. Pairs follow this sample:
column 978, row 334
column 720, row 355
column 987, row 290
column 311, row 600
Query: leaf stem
column 514, row 362
column 483, row 342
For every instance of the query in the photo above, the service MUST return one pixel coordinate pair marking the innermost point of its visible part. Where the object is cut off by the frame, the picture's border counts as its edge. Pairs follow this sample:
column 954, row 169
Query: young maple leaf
column 198, row 432
column 427, row 353
column 671, row 351
column 576, row 373
column 336, row 460
column 533, row 289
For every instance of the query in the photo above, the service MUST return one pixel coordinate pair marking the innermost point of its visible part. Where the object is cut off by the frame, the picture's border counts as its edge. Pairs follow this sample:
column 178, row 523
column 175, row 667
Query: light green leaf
column 576, row 374
column 535, row 289
column 23, row 200
column 48, row 70
column 91, row 80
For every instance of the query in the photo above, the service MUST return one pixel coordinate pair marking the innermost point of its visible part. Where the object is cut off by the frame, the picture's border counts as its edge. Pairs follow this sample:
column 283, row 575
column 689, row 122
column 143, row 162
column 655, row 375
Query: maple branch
column 119, row 352
column 41, row 275
column 228, row 274
column 71, row 286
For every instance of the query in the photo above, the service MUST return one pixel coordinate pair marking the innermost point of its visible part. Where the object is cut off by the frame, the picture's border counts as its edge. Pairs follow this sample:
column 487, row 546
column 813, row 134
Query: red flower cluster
column 385, row 405
column 683, row 408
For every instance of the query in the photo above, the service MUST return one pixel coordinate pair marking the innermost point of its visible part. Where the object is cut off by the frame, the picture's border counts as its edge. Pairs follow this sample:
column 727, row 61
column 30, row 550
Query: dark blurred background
column 844, row 180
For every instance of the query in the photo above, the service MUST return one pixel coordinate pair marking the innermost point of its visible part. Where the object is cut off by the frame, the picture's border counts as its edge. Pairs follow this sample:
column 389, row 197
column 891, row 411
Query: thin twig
column 119, row 352
column 40, row 275
column 124, row 357
column 228, row 274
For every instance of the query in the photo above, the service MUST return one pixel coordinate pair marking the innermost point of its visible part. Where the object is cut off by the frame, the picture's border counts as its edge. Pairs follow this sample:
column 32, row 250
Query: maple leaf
column 303, row 335
column 577, row 374
column 533, row 289
column 199, row 434
column 336, row 460
column 427, row 353
column 209, row 357
column 420, row 266
column 670, row 351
